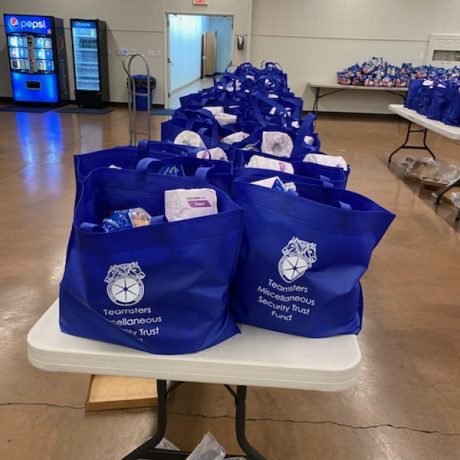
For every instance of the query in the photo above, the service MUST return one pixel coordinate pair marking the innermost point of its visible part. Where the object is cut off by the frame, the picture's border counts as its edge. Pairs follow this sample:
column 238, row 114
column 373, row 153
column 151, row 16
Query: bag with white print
column 162, row 287
column 301, row 274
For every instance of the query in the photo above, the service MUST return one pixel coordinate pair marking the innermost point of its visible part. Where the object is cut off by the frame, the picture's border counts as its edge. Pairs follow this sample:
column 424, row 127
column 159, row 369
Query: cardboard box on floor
column 113, row 392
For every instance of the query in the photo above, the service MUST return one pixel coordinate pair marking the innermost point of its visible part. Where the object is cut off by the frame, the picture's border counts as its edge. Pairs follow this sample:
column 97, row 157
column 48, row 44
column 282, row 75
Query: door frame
column 166, row 48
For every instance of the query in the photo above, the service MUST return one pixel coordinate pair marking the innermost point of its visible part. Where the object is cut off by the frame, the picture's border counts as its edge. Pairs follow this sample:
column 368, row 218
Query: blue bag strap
column 306, row 128
column 327, row 184
column 143, row 146
column 89, row 227
column 269, row 101
column 202, row 172
column 145, row 163
column 342, row 205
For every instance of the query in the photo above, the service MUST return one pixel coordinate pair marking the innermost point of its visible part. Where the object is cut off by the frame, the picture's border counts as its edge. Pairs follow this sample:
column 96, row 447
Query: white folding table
column 255, row 357
column 450, row 132
column 333, row 88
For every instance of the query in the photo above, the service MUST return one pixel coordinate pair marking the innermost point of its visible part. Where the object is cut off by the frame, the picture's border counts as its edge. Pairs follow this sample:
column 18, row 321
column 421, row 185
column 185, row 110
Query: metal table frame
column 337, row 88
column 425, row 125
column 148, row 449
column 256, row 357
column 405, row 145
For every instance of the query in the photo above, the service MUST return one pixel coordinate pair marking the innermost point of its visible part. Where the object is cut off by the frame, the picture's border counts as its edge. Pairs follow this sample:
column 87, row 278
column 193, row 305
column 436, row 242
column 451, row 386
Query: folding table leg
column 316, row 103
column 148, row 449
column 143, row 449
column 416, row 147
column 455, row 183
column 240, row 424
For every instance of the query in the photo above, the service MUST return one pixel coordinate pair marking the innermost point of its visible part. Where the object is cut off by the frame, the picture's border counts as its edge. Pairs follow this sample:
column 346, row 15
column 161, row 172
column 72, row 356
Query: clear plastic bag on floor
column 166, row 445
column 209, row 449
column 405, row 163
column 455, row 198
column 438, row 174
column 415, row 171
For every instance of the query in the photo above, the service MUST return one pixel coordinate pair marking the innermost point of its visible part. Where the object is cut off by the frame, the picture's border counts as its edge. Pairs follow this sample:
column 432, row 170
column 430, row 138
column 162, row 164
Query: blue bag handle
column 143, row 165
column 89, row 227
column 261, row 97
column 342, row 205
column 306, row 128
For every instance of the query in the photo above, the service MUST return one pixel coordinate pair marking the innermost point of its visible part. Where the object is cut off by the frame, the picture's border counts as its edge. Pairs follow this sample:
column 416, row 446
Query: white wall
column 134, row 25
column 313, row 39
column 185, row 33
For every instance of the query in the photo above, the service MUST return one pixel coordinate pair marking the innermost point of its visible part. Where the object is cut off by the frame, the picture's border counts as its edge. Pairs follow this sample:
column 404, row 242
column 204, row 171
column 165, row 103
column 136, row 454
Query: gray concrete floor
column 406, row 404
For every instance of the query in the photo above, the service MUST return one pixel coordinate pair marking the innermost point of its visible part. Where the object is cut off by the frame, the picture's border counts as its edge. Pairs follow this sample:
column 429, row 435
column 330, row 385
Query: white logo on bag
column 125, row 286
column 298, row 257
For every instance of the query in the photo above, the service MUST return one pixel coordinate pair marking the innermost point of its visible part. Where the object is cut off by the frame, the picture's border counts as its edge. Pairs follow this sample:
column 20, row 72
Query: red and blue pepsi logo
column 14, row 22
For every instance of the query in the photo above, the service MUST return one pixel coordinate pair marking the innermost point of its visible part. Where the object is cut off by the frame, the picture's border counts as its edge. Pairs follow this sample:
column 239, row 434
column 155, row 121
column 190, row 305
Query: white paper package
column 214, row 110
column 257, row 161
column 187, row 137
column 276, row 143
column 326, row 160
column 235, row 137
column 181, row 204
column 225, row 118
column 215, row 153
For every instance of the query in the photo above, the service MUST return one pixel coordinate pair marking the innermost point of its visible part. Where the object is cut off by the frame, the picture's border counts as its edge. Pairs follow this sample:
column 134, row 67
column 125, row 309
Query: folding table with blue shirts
column 229, row 251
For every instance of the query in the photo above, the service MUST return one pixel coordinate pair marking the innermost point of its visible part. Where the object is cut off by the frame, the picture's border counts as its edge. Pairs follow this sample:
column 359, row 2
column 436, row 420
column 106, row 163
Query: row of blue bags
column 436, row 99
column 284, row 261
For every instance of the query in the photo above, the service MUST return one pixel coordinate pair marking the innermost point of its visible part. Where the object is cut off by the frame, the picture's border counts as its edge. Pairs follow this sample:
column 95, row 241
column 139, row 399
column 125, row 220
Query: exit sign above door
column 200, row 2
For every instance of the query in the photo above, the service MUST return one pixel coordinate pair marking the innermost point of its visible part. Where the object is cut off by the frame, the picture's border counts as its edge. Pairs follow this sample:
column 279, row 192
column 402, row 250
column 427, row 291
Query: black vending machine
column 90, row 62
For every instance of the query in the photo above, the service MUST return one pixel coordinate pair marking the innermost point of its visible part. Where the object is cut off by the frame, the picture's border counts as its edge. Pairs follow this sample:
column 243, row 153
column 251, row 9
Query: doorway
column 198, row 46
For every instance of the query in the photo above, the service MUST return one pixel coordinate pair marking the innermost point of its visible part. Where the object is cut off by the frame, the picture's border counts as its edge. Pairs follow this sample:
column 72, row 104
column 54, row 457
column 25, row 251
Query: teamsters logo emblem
column 125, row 286
column 298, row 257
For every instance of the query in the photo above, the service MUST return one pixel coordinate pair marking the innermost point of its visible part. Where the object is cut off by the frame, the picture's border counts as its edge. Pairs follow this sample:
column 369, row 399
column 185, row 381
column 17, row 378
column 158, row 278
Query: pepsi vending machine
column 38, row 61
column 89, row 45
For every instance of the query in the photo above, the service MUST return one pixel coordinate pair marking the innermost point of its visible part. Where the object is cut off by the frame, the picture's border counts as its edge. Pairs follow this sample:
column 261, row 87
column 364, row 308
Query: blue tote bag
column 300, row 147
column 309, row 173
column 126, row 157
column 159, row 288
column 302, row 258
column 337, row 176
column 452, row 113
column 412, row 100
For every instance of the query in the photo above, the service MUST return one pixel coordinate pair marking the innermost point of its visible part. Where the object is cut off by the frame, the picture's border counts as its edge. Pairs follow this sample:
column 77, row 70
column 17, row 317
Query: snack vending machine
column 90, row 61
column 38, row 61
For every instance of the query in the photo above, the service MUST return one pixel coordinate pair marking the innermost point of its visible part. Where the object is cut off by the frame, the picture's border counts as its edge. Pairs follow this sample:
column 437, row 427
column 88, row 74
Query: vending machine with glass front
column 89, row 45
column 37, row 57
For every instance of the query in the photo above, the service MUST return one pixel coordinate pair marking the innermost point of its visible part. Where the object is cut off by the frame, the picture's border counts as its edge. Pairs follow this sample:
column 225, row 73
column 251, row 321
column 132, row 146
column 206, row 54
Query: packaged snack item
column 326, row 160
column 235, row 137
column 126, row 219
column 225, row 118
column 215, row 153
column 257, row 161
column 172, row 170
column 214, row 110
column 276, row 143
column 276, row 183
column 183, row 204
column 187, row 137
